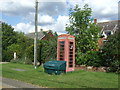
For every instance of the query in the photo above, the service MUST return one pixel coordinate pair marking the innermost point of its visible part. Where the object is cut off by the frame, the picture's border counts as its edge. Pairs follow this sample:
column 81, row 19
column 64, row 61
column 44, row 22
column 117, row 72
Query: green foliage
column 23, row 41
column 0, row 41
column 30, row 52
column 13, row 42
column 14, row 48
column 90, row 58
column 46, row 50
column 8, row 35
column 85, row 32
column 111, row 52
column 22, row 60
column 24, row 48
column 8, row 38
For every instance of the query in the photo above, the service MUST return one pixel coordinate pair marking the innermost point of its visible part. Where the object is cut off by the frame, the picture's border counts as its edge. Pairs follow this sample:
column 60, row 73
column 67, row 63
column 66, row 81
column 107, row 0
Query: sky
column 52, row 14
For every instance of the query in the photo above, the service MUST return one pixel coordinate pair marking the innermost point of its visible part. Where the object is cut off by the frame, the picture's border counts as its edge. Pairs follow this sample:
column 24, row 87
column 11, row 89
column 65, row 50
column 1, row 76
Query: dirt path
column 10, row 83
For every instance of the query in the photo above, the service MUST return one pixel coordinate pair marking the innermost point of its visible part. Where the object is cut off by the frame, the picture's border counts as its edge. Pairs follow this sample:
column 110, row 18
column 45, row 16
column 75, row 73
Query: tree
column 23, row 41
column 46, row 50
column 85, row 32
column 8, row 35
column 49, row 49
column 111, row 52
column 14, row 48
column 13, row 41
column 0, row 41
column 8, row 38
column 17, row 42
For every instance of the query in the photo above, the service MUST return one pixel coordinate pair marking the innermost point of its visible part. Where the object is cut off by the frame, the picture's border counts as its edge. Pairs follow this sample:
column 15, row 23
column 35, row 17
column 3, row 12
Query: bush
column 90, row 58
column 49, row 49
column 114, row 67
column 30, row 52
column 79, row 58
column 46, row 50
column 111, row 52
column 22, row 60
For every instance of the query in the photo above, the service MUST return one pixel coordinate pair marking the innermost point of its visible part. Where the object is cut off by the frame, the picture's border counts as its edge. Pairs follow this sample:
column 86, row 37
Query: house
column 107, row 28
column 42, row 35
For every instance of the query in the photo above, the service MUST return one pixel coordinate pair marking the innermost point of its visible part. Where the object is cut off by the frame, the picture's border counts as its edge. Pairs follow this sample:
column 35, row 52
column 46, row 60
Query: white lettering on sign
column 70, row 38
column 62, row 38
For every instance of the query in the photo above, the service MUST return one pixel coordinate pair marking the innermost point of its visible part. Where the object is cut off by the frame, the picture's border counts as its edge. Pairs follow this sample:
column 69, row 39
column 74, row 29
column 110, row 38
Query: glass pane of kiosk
column 61, row 50
column 70, row 54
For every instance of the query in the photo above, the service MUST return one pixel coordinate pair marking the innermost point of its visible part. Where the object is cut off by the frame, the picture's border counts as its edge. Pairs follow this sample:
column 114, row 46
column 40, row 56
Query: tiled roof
column 32, row 35
column 110, row 25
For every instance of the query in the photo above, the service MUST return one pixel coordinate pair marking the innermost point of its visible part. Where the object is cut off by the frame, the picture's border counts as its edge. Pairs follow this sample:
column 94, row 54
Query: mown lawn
column 76, row 79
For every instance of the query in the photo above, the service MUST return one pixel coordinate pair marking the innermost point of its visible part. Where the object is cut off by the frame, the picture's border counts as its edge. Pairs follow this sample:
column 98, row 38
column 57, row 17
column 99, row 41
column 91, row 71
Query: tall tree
column 0, row 41
column 13, row 42
column 8, row 38
column 85, row 32
column 8, row 35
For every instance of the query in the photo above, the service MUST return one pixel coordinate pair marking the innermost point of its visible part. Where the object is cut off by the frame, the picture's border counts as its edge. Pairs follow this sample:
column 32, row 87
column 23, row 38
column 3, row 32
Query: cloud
column 27, row 27
column 25, row 7
column 102, row 9
column 45, row 20
column 58, row 26
column 17, row 7
column 42, row 19
column 53, row 14
column 61, row 24
column 52, row 8
column 104, row 20
column 24, row 27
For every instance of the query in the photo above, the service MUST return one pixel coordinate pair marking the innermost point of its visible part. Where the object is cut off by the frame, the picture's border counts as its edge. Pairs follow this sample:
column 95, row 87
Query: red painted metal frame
column 67, row 39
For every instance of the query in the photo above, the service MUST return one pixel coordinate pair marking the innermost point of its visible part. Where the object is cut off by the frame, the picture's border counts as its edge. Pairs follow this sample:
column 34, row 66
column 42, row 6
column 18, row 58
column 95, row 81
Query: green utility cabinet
column 55, row 67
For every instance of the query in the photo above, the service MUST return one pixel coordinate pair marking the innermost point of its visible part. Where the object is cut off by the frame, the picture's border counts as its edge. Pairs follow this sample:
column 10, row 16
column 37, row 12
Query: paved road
column 10, row 83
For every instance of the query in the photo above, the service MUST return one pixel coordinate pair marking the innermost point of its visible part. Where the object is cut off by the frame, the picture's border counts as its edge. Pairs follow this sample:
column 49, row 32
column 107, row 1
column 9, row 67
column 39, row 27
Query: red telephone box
column 66, row 50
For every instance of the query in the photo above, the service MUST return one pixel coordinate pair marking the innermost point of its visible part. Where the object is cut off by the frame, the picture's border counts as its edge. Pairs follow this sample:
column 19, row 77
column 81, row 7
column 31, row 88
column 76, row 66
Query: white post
column 15, row 56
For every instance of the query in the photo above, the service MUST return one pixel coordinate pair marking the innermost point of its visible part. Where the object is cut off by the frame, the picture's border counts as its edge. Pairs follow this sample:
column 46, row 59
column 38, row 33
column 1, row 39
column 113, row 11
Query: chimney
column 95, row 20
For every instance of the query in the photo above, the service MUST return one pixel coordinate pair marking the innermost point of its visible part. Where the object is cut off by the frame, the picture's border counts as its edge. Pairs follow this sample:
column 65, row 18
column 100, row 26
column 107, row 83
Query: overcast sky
column 53, row 14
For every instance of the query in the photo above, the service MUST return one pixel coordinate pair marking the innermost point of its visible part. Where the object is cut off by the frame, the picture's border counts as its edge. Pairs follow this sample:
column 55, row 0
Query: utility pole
column 36, row 34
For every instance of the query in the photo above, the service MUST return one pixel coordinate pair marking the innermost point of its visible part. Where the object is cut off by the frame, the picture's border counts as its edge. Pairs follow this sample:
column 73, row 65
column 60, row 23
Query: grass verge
column 76, row 79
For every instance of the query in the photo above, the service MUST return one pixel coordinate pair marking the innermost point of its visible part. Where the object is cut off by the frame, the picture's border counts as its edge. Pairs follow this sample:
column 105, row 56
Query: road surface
column 10, row 83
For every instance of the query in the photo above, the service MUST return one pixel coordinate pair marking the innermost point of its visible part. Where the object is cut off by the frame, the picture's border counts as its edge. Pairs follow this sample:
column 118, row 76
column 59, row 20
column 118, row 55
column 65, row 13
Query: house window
column 108, row 33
